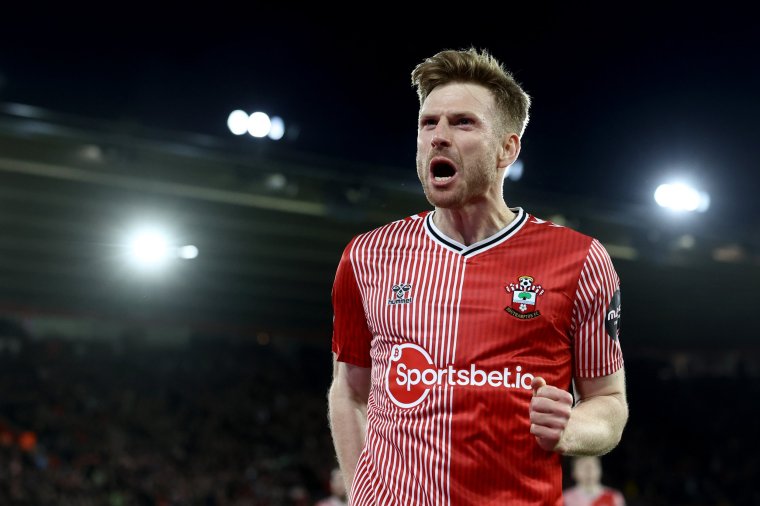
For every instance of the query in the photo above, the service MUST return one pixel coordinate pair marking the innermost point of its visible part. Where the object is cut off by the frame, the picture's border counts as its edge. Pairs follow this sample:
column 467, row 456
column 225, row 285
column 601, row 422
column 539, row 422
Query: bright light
column 276, row 181
column 237, row 122
column 681, row 197
column 188, row 252
column 515, row 171
column 259, row 124
column 278, row 128
column 149, row 248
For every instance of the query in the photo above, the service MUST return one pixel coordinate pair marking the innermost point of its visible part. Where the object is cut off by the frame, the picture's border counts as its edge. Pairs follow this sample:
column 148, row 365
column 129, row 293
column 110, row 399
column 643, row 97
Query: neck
column 592, row 488
column 475, row 222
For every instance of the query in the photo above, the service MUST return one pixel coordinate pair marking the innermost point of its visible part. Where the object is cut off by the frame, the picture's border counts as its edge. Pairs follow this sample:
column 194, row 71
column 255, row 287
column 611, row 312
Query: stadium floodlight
column 188, row 252
column 681, row 197
column 149, row 248
column 237, row 122
column 278, row 128
column 259, row 124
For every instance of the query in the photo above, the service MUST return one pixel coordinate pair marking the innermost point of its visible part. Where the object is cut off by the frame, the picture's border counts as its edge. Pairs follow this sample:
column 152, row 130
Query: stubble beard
column 475, row 181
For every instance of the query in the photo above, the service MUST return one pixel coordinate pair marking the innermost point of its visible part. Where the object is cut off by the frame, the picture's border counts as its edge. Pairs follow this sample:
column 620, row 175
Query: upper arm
column 612, row 385
column 352, row 380
column 595, row 326
column 351, row 335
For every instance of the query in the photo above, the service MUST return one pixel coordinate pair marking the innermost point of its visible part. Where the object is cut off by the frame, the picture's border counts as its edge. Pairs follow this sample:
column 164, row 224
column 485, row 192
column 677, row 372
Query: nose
column 440, row 136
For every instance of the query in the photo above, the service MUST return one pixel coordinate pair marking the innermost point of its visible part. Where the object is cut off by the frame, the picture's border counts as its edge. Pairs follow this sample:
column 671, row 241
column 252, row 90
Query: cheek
column 421, row 142
column 420, row 163
column 421, row 149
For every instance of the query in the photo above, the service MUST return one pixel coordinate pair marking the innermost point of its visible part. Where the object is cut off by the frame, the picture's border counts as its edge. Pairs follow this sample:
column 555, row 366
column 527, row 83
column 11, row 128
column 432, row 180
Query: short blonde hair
column 478, row 67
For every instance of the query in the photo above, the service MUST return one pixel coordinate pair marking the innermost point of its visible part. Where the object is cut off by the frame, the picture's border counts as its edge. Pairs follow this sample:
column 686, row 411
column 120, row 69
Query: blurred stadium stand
column 271, row 225
column 211, row 376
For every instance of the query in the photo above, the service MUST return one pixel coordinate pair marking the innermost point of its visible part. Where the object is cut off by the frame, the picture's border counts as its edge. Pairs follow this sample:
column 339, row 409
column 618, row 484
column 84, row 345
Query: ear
column 509, row 150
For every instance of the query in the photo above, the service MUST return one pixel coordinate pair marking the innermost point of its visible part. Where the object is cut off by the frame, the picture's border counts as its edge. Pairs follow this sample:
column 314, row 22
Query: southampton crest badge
column 525, row 294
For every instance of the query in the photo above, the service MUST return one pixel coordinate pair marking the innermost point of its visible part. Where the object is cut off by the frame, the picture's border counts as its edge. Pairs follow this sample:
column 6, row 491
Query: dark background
column 205, row 384
column 623, row 97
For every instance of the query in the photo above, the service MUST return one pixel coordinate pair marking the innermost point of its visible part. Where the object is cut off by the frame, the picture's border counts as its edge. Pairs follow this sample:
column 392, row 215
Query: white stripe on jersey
column 595, row 352
column 439, row 275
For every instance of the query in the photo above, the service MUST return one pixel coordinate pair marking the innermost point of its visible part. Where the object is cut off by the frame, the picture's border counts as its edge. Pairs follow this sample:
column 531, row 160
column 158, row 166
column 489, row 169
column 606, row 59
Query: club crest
column 524, row 298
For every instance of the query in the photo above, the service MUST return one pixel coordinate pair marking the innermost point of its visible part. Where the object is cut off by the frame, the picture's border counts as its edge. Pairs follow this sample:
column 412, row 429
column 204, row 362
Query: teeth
column 442, row 178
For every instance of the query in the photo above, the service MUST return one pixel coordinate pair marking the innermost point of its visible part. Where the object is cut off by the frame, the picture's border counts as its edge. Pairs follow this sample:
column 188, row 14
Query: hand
column 549, row 413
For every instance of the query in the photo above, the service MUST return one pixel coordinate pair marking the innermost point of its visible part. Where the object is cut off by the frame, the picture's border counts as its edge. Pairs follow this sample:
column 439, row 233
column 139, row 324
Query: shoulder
column 330, row 501
column 538, row 225
column 409, row 222
column 547, row 234
column 414, row 219
column 613, row 492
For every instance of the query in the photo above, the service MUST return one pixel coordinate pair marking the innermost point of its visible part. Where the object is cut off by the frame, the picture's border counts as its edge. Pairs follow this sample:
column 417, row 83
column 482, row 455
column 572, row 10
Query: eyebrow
column 456, row 114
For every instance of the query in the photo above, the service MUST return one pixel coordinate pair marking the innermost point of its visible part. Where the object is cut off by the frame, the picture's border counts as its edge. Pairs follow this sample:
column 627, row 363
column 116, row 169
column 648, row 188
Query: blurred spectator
column 337, row 495
column 588, row 489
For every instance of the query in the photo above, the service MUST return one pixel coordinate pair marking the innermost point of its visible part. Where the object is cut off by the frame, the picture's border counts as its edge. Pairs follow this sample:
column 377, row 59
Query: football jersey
column 454, row 335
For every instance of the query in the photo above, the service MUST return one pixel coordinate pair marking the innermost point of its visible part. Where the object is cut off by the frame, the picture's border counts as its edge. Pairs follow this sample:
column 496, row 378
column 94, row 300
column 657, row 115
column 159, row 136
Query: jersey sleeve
column 351, row 336
column 595, row 324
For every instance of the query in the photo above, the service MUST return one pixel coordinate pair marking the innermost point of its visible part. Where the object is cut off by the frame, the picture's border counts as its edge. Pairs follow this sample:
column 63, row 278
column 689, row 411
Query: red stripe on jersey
column 454, row 335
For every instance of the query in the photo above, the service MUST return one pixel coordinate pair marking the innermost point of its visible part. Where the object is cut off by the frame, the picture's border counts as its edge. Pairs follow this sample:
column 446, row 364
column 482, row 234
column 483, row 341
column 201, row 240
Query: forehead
column 458, row 97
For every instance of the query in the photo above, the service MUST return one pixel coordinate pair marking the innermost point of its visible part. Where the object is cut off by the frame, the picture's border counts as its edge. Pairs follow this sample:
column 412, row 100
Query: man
column 457, row 332
column 337, row 495
column 588, row 489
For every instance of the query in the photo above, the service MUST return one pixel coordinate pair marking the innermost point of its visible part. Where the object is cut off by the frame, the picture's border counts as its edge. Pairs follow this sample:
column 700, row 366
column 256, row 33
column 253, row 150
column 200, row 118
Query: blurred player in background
column 337, row 495
column 588, row 489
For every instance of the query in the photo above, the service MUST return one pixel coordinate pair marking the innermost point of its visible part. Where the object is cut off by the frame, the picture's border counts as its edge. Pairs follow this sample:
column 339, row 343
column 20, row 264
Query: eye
column 427, row 122
column 465, row 121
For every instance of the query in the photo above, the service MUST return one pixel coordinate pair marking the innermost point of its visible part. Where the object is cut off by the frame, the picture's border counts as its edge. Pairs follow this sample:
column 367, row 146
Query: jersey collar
column 480, row 246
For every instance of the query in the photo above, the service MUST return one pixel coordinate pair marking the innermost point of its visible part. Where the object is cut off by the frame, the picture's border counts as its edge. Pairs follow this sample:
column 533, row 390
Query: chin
column 445, row 202
column 447, row 199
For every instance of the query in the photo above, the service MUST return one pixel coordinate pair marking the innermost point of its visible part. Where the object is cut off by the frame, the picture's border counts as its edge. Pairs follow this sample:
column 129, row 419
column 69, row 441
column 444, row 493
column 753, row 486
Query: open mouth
column 442, row 170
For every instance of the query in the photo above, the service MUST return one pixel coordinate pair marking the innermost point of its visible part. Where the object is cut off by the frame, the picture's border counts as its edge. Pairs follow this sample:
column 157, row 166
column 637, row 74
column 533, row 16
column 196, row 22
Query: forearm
column 348, row 424
column 595, row 426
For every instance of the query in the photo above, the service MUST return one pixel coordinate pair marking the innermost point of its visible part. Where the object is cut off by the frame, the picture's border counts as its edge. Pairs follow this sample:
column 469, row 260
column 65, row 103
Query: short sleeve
column 596, row 316
column 351, row 336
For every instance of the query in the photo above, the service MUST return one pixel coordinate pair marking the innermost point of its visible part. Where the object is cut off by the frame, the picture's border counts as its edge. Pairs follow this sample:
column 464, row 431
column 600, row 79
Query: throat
column 471, row 227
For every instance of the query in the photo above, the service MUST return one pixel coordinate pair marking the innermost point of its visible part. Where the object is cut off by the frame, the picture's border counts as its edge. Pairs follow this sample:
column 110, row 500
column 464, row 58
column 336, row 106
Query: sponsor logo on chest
column 411, row 375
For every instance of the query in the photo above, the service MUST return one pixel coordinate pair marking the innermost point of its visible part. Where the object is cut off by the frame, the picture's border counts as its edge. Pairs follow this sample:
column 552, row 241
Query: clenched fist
column 549, row 413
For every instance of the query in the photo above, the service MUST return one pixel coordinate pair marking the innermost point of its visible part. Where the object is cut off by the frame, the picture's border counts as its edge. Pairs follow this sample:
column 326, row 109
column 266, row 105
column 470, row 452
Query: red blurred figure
column 337, row 495
column 588, row 489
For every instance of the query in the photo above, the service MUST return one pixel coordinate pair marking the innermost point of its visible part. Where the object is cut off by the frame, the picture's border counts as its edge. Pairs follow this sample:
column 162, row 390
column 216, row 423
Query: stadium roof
column 117, row 121
column 621, row 99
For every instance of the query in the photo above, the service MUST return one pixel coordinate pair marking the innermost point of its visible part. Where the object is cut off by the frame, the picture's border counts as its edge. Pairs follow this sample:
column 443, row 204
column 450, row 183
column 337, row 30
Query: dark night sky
column 621, row 99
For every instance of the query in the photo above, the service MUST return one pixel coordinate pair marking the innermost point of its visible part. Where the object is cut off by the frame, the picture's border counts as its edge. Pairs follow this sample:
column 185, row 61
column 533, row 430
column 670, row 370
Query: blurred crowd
column 686, row 442
column 232, row 422
column 212, row 423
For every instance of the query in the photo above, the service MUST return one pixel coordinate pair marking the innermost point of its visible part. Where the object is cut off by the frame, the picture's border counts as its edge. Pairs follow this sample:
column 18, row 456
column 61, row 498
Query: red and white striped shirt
column 454, row 335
